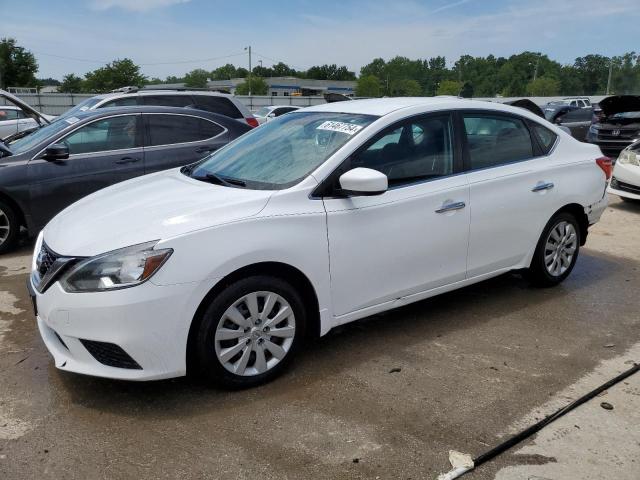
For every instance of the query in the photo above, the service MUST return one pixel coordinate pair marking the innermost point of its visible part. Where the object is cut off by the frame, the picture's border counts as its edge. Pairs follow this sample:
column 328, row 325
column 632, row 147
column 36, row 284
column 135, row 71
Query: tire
column 238, row 348
column 9, row 227
column 556, row 252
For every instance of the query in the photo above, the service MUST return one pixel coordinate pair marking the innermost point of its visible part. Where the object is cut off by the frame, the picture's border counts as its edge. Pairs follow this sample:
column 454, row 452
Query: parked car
column 16, row 116
column 214, row 102
column 576, row 119
column 270, row 112
column 616, row 123
column 580, row 102
column 625, row 181
column 315, row 219
column 60, row 163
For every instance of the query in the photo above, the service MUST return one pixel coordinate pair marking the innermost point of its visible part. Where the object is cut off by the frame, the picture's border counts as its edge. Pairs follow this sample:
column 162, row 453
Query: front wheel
column 250, row 332
column 556, row 252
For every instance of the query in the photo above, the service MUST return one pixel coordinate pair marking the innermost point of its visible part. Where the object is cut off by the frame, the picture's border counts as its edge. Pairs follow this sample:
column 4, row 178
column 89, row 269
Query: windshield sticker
column 342, row 127
column 71, row 120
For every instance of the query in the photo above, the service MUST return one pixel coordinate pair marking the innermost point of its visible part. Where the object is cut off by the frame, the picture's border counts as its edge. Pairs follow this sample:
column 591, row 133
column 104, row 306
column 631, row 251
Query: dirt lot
column 475, row 365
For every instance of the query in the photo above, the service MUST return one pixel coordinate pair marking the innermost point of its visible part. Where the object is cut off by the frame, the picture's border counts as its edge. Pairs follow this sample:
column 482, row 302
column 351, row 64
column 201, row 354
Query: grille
column 110, row 354
column 625, row 187
column 45, row 259
column 625, row 134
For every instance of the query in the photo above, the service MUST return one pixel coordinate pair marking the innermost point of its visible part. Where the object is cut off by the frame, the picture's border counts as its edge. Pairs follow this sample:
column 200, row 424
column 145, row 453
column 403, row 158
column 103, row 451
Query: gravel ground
column 469, row 368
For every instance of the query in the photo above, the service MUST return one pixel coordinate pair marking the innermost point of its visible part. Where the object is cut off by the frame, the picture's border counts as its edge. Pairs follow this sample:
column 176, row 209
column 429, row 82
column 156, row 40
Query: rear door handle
column 124, row 160
column 449, row 207
column 205, row 149
column 540, row 186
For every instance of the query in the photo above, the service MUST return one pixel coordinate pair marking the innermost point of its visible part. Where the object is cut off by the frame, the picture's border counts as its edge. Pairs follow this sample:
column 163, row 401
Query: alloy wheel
column 5, row 227
column 255, row 333
column 560, row 247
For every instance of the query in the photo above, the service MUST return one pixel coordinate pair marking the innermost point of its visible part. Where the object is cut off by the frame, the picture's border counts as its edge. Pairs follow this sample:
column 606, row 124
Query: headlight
column 629, row 157
column 122, row 268
column 36, row 251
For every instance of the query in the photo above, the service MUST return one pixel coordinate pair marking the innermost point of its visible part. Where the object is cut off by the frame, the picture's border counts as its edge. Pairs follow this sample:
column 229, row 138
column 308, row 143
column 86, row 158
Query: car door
column 511, row 191
column 8, row 122
column 25, row 122
column 102, row 152
column 174, row 140
column 413, row 237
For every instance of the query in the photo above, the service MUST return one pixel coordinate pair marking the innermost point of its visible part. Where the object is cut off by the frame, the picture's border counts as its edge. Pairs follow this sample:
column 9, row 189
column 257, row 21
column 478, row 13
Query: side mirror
column 363, row 181
column 272, row 115
column 57, row 151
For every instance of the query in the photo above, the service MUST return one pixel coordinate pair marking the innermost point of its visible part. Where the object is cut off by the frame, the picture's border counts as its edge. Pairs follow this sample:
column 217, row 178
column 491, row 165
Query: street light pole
column 609, row 79
column 249, row 49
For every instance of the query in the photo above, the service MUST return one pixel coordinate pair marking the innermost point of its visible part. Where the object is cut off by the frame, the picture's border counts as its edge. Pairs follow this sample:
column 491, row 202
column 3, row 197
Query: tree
column 117, row 74
column 196, row 78
column 225, row 72
column 330, row 72
column 258, row 87
column 543, row 87
column 405, row 88
column 449, row 87
column 71, row 84
column 18, row 66
column 467, row 90
column 173, row 79
column 282, row 70
column 368, row 86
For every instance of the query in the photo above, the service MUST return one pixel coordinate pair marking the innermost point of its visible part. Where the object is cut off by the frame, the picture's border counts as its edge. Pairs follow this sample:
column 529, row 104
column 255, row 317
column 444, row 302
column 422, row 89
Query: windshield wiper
column 217, row 179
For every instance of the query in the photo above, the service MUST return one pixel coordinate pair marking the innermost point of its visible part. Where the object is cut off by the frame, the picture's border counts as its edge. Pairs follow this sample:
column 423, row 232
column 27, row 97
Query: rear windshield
column 219, row 105
column 263, row 112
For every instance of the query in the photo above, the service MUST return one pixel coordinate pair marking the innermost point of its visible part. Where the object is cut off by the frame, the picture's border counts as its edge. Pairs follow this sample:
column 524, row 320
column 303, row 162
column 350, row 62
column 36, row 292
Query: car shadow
column 384, row 335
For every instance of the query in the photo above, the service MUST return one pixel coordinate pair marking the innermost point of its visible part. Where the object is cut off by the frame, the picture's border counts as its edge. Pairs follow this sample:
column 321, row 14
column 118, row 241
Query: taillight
column 252, row 122
column 606, row 165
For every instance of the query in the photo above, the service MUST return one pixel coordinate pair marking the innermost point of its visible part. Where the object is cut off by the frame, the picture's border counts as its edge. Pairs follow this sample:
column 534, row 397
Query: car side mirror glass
column 57, row 151
column 363, row 181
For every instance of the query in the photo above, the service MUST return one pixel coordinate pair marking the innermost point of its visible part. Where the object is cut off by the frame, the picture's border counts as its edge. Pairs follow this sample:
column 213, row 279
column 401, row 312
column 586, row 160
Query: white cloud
column 134, row 5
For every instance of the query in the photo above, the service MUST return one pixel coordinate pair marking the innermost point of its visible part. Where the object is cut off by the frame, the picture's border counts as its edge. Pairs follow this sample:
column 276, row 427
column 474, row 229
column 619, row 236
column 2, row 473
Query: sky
column 172, row 37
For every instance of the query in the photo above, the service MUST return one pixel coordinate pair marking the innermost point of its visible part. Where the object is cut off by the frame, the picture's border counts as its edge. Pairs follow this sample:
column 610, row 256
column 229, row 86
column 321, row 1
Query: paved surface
column 476, row 365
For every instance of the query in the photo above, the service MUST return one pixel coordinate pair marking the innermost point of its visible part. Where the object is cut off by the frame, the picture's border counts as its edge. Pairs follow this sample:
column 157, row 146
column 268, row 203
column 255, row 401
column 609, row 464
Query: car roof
column 108, row 111
column 161, row 92
column 385, row 106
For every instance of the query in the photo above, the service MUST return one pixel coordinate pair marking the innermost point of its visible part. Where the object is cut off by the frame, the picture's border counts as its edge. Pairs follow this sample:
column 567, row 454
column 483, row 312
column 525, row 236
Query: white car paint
column 13, row 120
column 627, row 170
column 272, row 111
column 361, row 254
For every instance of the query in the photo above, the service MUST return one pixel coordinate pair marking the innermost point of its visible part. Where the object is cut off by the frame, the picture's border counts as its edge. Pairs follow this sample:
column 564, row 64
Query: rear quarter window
column 546, row 138
column 167, row 100
column 219, row 105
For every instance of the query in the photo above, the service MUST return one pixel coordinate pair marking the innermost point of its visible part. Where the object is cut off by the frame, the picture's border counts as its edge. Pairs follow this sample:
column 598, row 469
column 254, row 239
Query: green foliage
column 330, row 72
column 117, row 74
column 405, row 88
column 225, row 72
column 196, row 78
column 543, row 87
column 368, row 86
column 449, row 87
column 258, row 86
column 71, row 84
column 18, row 66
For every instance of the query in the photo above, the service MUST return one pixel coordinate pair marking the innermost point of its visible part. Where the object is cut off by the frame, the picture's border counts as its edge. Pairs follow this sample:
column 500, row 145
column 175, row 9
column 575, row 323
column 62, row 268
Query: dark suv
column 57, row 164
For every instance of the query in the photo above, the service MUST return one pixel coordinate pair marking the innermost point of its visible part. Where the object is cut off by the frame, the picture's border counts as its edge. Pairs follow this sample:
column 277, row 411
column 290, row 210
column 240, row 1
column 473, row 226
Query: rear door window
column 167, row 100
column 494, row 140
column 216, row 104
column 175, row 129
column 8, row 114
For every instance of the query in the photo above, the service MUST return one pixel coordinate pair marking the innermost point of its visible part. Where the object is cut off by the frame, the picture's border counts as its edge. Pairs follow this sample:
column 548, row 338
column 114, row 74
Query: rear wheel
column 556, row 252
column 250, row 332
column 9, row 227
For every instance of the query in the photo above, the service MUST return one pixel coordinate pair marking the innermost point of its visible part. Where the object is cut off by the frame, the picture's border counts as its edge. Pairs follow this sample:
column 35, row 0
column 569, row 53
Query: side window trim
column 148, row 132
column 326, row 189
column 535, row 147
column 60, row 138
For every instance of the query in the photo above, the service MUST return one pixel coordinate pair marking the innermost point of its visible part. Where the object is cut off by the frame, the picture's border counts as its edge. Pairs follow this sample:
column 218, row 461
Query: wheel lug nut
column 265, row 329
column 258, row 322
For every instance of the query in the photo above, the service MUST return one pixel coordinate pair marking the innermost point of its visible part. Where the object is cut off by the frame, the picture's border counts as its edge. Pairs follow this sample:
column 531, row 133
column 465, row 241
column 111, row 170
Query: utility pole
column 249, row 49
column 535, row 72
column 609, row 79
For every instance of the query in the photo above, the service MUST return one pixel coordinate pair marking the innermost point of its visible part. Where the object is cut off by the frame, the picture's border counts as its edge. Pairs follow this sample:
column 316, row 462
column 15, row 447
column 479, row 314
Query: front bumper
column 148, row 322
column 625, row 181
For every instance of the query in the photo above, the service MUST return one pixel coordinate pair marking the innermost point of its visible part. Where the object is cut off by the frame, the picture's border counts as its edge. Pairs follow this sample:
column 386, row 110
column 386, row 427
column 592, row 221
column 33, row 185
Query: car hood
column 152, row 207
column 620, row 104
column 26, row 108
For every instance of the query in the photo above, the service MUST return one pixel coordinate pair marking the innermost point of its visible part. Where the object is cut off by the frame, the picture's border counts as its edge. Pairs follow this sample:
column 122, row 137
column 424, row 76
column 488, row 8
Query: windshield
column 26, row 143
column 281, row 153
column 263, row 112
column 81, row 107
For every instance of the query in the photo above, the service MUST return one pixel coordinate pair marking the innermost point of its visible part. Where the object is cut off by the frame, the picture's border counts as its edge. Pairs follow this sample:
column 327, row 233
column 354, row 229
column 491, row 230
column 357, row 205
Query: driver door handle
column 449, row 207
column 125, row 160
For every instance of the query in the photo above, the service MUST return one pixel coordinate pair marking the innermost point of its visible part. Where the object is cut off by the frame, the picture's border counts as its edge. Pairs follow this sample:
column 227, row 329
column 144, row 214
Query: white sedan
column 318, row 218
column 626, row 174
column 268, row 113
column 14, row 120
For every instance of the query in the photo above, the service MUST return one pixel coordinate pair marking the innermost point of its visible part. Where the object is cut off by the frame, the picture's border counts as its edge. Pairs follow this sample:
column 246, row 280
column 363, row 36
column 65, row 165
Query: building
column 280, row 86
